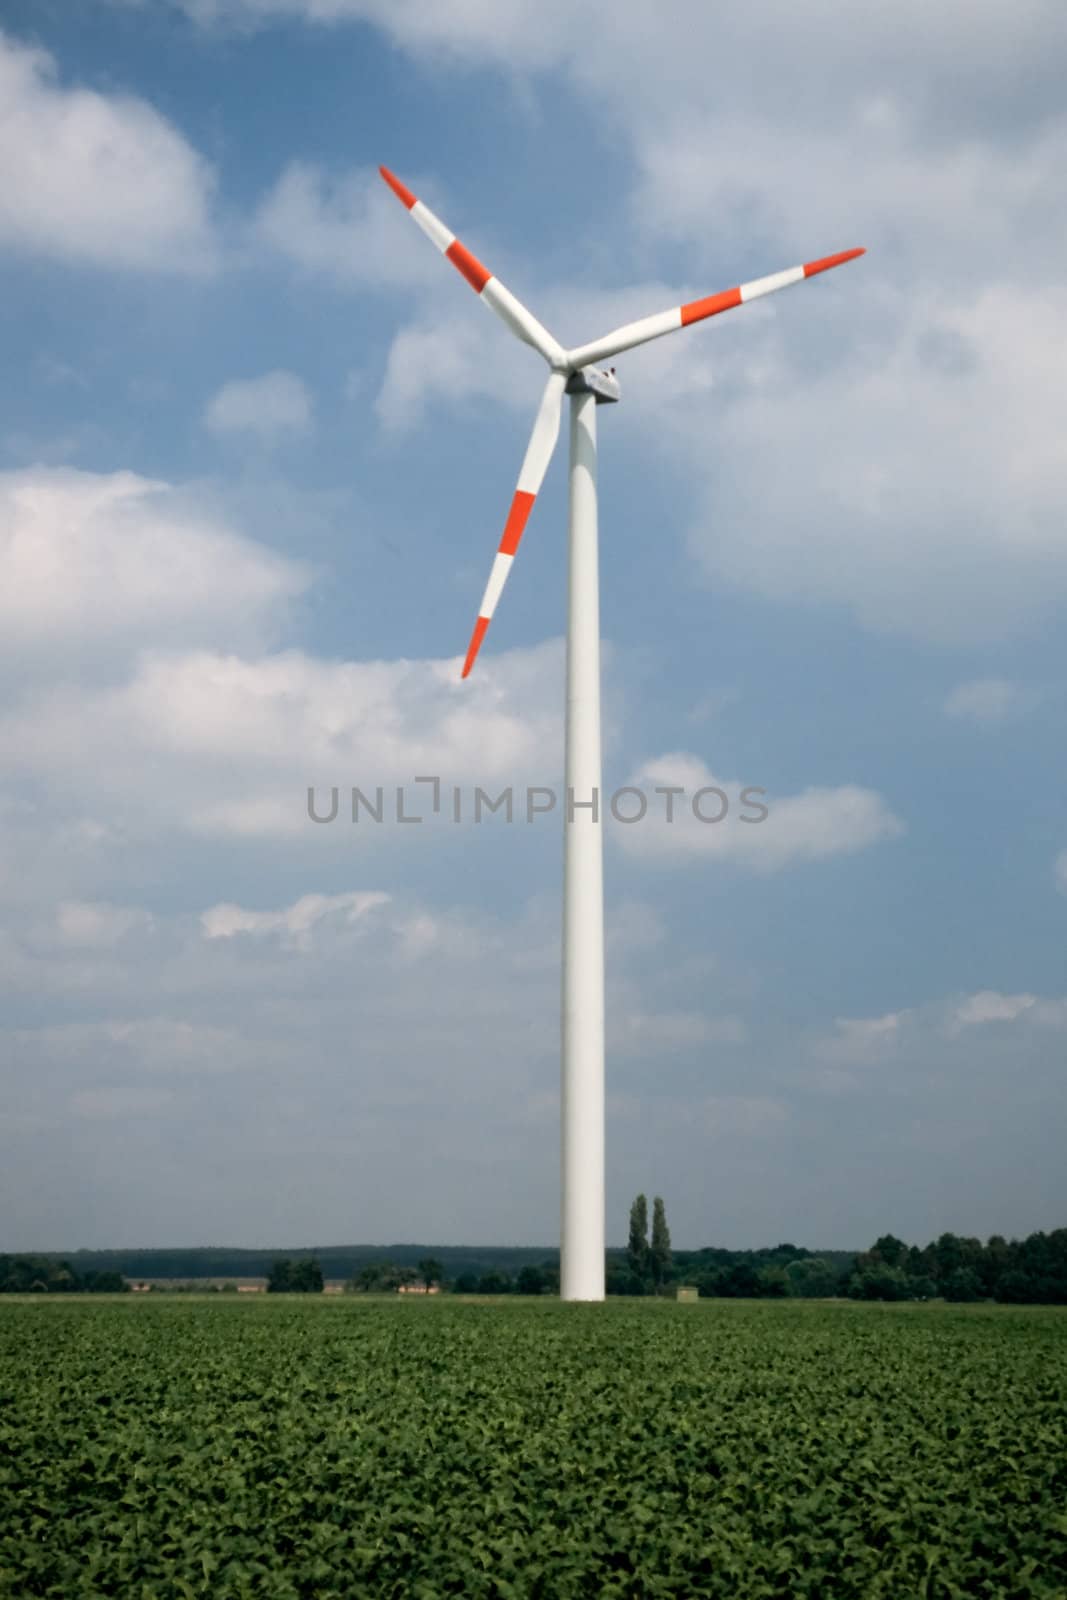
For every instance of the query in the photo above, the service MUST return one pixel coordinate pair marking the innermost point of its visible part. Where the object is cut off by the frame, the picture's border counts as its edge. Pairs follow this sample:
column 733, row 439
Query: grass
column 290, row 1448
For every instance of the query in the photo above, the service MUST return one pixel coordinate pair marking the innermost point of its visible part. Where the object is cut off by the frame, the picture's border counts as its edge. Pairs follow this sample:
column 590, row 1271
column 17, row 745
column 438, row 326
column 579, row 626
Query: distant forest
column 1027, row 1271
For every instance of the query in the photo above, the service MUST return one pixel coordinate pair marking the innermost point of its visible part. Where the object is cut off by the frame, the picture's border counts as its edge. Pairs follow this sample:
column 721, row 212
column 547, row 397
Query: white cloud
column 464, row 28
column 810, row 826
column 454, row 353
column 112, row 558
column 862, row 1040
column 954, row 1041
column 349, row 227
column 130, row 1046
column 937, row 513
column 295, row 924
column 987, row 700
column 275, row 404
column 222, row 744
column 101, row 179
column 812, row 70
column 643, row 1032
column 451, row 361
column 97, row 924
column 990, row 1006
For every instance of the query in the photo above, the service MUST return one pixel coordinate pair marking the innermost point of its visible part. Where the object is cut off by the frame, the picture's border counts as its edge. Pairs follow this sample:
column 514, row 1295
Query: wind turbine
column 575, row 373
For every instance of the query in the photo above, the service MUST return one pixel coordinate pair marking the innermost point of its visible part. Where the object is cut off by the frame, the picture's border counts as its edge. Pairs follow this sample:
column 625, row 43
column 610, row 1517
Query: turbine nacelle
column 591, row 380
column 572, row 371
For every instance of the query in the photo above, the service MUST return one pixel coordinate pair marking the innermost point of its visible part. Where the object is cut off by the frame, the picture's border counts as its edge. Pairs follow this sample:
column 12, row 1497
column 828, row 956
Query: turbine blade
column 635, row 333
column 510, row 310
column 531, row 476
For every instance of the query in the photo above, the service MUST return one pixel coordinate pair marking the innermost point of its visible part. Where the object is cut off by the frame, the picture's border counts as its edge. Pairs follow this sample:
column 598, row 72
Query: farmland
column 292, row 1448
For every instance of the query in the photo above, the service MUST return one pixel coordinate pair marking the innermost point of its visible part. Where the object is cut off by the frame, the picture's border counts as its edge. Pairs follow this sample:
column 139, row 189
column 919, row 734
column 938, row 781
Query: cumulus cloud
column 239, row 1048
column 859, row 1041
column 268, row 407
column 132, row 1046
column 455, row 355
column 95, row 178
column 360, row 1060
column 640, row 1032
column 809, row 826
column 448, row 361
column 987, row 700
column 464, row 28
column 989, row 1006
column 97, row 924
column 223, row 744
column 113, row 558
column 294, row 924
column 347, row 226
column 937, row 512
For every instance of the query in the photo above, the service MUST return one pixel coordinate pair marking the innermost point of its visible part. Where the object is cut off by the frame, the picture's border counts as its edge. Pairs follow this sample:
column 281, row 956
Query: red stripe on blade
column 403, row 194
column 475, row 645
column 471, row 268
column 696, row 309
column 521, row 507
column 826, row 262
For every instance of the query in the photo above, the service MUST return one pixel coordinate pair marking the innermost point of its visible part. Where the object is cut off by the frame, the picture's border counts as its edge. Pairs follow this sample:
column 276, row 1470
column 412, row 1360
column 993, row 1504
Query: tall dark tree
column 307, row 1276
column 430, row 1271
column 495, row 1282
column 660, row 1251
column 280, row 1280
column 948, row 1256
column 637, row 1243
column 811, row 1278
column 295, row 1277
column 963, row 1284
column 890, row 1250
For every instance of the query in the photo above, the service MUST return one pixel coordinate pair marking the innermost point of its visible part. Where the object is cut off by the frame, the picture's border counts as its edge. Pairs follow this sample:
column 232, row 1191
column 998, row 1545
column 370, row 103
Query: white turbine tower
column 574, row 372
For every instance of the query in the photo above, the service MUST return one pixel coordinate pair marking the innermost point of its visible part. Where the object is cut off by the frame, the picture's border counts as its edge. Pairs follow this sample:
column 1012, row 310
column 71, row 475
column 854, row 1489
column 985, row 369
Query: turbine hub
column 594, row 380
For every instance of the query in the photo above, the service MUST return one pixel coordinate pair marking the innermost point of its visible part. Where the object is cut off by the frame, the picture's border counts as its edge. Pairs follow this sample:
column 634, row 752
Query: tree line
column 42, row 1275
column 1030, row 1271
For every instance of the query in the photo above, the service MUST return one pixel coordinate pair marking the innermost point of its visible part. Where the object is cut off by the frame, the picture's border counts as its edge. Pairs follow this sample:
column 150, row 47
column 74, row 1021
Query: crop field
column 335, row 1449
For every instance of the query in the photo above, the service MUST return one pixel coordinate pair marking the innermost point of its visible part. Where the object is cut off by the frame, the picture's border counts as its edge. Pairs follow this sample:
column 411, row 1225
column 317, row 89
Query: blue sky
column 256, row 447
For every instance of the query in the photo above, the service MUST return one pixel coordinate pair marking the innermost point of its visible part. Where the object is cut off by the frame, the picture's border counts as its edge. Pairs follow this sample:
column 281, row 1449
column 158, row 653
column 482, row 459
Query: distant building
column 418, row 1288
column 687, row 1292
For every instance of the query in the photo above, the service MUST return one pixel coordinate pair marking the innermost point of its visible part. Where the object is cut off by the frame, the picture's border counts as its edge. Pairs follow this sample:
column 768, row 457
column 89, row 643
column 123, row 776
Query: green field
column 297, row 1448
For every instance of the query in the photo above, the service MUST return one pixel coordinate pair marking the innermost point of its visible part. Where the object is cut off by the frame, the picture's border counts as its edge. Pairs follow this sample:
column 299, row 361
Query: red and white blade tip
column 402, row 192
column 450, row 247
column 480, row 628
column 826, row 262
